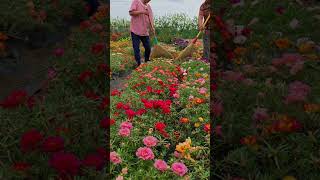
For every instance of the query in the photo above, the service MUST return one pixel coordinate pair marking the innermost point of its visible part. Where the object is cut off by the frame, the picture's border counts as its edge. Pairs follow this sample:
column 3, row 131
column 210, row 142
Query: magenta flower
column 115, row 158
column 150, row 141
column 179, row 169
column 145, row 153
column 161, row 165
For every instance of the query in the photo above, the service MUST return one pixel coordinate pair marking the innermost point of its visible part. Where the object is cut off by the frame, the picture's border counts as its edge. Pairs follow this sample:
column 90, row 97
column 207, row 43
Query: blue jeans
column 136, row 47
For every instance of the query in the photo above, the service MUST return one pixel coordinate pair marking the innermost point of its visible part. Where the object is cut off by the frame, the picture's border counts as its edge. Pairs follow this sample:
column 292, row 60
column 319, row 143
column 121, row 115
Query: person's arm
column 151, row 19
column 137, row 13
column 200, row 19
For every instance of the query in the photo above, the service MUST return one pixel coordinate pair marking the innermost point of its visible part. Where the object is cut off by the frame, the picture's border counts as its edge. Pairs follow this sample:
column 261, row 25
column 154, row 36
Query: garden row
column 160, row 126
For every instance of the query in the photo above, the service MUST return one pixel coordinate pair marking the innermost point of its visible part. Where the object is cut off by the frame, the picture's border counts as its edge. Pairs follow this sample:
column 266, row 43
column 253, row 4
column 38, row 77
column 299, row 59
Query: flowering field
column 267, row 107
column 160, row 124
column 59, row 132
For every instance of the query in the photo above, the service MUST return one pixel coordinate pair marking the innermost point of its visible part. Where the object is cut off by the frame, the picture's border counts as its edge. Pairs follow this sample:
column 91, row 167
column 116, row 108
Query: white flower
column 294, row 23
column 240, row 39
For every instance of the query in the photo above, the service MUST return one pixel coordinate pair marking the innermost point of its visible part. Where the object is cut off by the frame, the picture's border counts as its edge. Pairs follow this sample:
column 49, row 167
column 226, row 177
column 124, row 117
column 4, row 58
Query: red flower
column 115, row 92
column 30, row 140
column 94, row 160
column 148, row 105
column 103, row 68
column 106, row 122
column 119, row 105
column 97, row 48
column 91, row 95
column 126, row 106
column 141, row 112
column 85, row 76
column 130, row 113
column 65, row 163
column 149, row 89
column 213, row 87
column 103, row 153
column 15, row 99
column 160, row 126
column 230, row 55
column 85, row 24
column 53, row 144
column 21, row 166
column 96, row 28
column 104, row 103
column 207, row 128
column 58, row 52
column 166, row 110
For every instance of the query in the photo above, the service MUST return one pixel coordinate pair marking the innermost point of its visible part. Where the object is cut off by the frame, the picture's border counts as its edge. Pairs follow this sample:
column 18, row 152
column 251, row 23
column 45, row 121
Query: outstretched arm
column 200, row 20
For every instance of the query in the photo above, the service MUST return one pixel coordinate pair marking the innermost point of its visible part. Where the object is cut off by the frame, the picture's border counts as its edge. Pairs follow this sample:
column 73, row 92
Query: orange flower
column 282, row 43
column 306, row 48
column 240, row 51
column 184, row 120
column 311, row 108
column 249, row 140
column 198, row 100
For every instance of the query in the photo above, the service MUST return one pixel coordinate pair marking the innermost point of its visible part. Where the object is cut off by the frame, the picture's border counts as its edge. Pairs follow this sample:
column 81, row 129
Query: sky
column 119, row 8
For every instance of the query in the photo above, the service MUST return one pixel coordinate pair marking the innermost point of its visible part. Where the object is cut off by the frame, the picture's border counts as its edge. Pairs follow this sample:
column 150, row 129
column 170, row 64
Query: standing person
column 203, row 14
column 141, row 15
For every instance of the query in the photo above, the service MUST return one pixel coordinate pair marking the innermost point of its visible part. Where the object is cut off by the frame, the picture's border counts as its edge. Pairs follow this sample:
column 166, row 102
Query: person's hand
column 201, row 27
column 145, row 12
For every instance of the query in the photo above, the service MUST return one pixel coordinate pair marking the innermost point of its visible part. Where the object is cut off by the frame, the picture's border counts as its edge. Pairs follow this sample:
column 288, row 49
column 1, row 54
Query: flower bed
column 160, row 122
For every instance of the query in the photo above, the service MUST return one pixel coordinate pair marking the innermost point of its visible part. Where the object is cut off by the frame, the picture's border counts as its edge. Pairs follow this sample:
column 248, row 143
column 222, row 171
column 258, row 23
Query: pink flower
column 58, row 52
column 145, row 153
column 115, row 158
column 260, row 114
column 176, row 95
column 124, row 132
column 176, row 154
column 203, row 90
column 127, row 125
column 150, row 141
column 119, row 177
column 297, row 92
column 191, row 97
column 296, row 68
column 201, row 81
column 179, row 168
column 161, row 165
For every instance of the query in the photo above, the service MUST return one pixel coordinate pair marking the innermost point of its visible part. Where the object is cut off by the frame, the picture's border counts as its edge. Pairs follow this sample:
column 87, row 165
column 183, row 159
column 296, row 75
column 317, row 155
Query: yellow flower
column 282, row 43
column 256, row 45
column 200, row 119
column 196, row 124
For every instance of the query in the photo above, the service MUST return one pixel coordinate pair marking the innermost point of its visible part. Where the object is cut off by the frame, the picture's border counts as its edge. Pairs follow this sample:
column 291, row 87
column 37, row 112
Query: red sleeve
column 133, row 6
